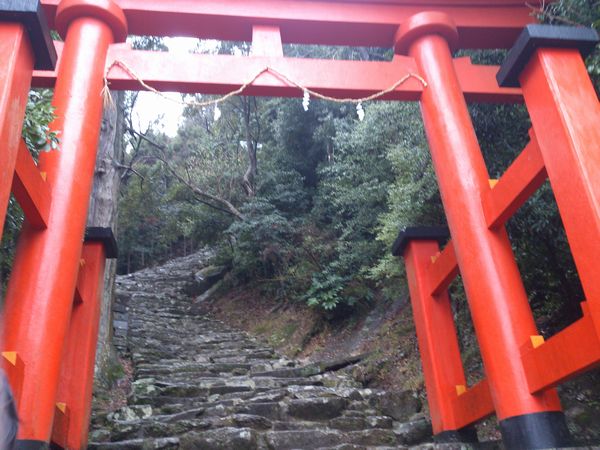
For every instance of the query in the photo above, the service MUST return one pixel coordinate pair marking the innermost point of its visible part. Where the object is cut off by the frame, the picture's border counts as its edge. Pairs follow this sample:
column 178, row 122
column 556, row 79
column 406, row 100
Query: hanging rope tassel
column 107, row 99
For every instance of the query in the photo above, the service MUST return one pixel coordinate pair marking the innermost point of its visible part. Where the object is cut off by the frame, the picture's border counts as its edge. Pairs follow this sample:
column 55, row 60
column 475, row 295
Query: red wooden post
column 436, row 333
column 19, row 52
column 15, row 76
column 40, row 293
column 77, row 374
column 30, row 189
column 501, row 315
column 565, row 115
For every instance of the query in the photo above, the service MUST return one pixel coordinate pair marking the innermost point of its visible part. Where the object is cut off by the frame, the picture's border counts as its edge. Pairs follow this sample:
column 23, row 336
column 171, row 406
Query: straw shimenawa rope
column 109, row 101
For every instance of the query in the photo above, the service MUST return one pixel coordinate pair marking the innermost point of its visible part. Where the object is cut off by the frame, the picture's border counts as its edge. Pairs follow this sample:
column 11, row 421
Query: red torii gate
column 52, row 300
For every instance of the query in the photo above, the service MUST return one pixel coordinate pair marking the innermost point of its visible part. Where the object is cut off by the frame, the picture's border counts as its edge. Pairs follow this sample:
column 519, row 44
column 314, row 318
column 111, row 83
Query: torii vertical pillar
column 436, row 334
column 40, row 294
column 546, row 61
column 74, row 397
column 501, row 314
column 24, row 44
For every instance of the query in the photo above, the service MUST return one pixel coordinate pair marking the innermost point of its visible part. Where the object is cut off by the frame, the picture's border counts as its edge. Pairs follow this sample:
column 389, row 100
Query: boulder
column 400, row 405
column 220, row 439
column 317, row 408
column 204, row 279
column 414, row 431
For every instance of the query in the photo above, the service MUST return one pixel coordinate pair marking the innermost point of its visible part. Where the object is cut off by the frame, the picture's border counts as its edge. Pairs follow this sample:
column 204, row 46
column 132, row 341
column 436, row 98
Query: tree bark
column 251, row 145
column 250, row 174
column 103, row 213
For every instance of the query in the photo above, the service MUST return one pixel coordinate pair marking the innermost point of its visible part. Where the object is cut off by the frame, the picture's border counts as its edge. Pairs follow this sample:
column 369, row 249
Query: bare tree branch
column 127, row 169
column 202, row 196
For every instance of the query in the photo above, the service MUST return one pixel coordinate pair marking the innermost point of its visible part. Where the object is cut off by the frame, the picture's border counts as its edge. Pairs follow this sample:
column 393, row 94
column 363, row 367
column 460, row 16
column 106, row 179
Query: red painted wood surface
column 436, row 334
column 220, row 74
column 482, row 24
column 40, row 293
column 499, row 307
column 443, row 269
column 474, row 404
column 15, row 77
column 565, row 355
column 565, row 114
column 31, row 190
column 77, row 374
column 522, row 178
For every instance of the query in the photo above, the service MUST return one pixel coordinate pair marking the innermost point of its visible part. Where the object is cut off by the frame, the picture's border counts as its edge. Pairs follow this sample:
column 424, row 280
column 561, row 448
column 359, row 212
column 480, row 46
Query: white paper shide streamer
column 360, row 112
column 306, row 100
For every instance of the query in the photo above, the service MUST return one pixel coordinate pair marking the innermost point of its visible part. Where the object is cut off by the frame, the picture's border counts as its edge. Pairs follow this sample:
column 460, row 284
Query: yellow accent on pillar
column 62, row 406
column 460, row 389
column 11, row 357
column 493, row 183
column 536, row 341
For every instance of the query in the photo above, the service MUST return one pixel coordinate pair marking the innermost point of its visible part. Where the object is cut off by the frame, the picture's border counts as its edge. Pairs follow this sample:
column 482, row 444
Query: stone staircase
column 198, row 384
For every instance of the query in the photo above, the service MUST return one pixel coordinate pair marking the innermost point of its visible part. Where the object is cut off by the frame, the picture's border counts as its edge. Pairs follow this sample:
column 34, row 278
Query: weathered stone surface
column 134, row 412
column 198, row 384
column 373, row 437
column 270, row 410
column 220, row 439
column 250, row 421
column 380, row 421
column 303, row 439
column 136, row 444
column 400, row 405
column 210, row 275
column 143, row 387
column 317, row 408
column 348, row 423
column 204, row 279
column 415, row 431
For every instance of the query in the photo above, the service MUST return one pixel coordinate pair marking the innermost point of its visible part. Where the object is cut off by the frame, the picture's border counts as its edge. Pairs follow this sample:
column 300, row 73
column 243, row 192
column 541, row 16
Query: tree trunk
column 250, row 175
column 103, row 213
column 251, row 145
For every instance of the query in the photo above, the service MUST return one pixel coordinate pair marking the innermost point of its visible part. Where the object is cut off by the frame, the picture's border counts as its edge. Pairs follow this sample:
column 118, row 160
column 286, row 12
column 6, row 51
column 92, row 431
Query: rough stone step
column 200, row 384
column 192, row 390
column 314, row 368
column 221, row 438
column 196, row 369
column 310, row 439
column 152, row 429
column 137, row 444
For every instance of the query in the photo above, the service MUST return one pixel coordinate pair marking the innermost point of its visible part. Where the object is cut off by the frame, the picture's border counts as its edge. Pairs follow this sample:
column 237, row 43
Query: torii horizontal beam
column 480, row 23
column 219, row 74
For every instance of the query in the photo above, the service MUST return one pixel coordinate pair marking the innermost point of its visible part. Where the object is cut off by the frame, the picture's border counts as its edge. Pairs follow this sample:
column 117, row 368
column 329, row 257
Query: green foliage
column 263, row 243
column 38, row 115
column 352, row 206
column 413, row 196
column 326, row 290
